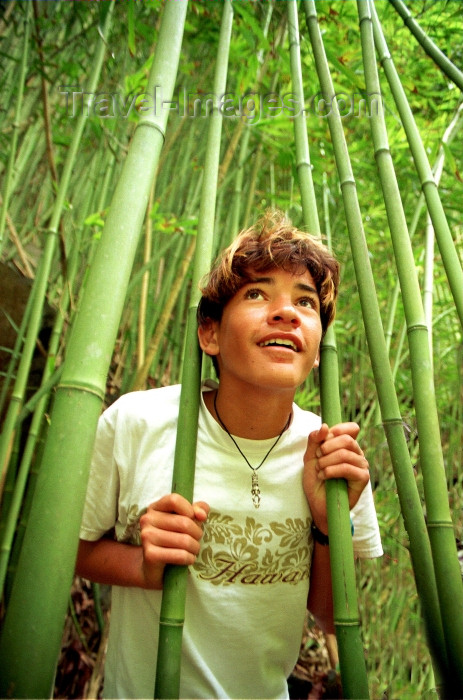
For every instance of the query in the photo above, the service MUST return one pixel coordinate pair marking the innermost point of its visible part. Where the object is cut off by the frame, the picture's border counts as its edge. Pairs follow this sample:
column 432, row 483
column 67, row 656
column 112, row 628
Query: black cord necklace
column 255, row 491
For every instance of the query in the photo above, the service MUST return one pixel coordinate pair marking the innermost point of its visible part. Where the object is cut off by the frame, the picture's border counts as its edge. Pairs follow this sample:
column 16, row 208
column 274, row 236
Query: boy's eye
column 309, row 302
column 253, row 294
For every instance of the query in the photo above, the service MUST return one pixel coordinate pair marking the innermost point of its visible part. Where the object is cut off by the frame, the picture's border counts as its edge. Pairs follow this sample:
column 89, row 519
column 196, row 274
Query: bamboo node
column 348, row 181
column 152, row 125
column 440, row 523
column 328, row 347
column 417, row 327
column 96, row 391
column 392, row 421
column 170, row 622
column 347, row 623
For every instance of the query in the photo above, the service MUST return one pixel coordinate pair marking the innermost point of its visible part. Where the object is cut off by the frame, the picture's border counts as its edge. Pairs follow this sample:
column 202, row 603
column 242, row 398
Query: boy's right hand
column 170, row 534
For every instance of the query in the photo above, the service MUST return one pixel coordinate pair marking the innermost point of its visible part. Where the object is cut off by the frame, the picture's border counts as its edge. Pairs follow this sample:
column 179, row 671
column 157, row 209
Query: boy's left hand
column 333, row 453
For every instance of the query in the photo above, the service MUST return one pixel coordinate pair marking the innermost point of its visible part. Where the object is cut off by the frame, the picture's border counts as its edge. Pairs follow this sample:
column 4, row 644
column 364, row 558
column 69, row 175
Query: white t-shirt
column 247, row 591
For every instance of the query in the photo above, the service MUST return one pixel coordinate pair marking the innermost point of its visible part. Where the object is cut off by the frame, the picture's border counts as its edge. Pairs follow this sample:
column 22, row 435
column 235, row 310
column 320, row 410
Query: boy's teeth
column 279, row 341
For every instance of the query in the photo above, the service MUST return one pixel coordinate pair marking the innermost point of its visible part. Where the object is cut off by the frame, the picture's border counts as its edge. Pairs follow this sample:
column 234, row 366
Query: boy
column 255, row 534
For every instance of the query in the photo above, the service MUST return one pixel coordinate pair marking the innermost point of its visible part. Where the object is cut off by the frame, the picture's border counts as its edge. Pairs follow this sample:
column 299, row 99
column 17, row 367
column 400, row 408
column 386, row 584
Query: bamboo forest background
column 49, row 109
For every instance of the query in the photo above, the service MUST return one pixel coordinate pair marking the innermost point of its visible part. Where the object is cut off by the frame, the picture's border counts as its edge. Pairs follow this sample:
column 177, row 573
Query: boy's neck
column 252, row 415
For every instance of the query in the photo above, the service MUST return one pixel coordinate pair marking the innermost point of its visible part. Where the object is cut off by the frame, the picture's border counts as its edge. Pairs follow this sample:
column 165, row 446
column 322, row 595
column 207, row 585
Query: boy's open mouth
column 280, row 342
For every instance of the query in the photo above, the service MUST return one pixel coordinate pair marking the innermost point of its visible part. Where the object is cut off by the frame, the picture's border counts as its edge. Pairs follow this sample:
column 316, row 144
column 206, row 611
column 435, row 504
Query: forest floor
column 81, row 664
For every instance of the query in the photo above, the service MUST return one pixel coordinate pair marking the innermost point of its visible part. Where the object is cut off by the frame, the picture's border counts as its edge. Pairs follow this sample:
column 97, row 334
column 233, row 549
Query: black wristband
column 318, row 535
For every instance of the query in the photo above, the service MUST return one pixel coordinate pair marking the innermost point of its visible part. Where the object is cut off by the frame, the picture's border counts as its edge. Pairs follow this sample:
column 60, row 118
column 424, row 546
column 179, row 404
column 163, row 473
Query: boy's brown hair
column 272, row 242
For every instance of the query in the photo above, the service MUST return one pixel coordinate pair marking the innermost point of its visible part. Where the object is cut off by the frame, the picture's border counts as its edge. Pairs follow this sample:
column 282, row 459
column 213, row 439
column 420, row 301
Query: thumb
column 201, row 510
column 316, row 437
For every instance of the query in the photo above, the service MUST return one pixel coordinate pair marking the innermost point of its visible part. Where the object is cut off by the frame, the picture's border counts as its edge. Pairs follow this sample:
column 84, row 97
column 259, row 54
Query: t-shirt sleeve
column 367, row 538
column 100, row 507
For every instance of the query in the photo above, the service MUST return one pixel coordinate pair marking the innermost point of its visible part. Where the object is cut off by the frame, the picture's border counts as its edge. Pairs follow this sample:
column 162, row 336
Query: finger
column 341, row 442
column 345, row 470
column 173, row 503
column 154, row 520
column 342, row 458
column 163, row 555
column 348, row 428
column 155, row 541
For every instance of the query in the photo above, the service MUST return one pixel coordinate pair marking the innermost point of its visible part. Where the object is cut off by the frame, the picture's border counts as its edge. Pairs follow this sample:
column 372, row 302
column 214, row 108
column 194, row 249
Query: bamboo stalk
column 252, row 185
column 41, row 280
column 346, row 615
column 26, row 267
column 12, row 363
column 444, row 63
column 40, row 402
column 172, row 614
column 234, row 225
column 447, row 138
column 46, row 106
column 7, row 187
column 178, row 329
column 143, row 370
column 444, row 238
column 12, row 507
column 408, row 495
column 165, row 297
column 439, row 521
column 78, row 404
column 148, row 244
column 303, row 164
column 354, row 677
column 428, row 281
column 230, row 152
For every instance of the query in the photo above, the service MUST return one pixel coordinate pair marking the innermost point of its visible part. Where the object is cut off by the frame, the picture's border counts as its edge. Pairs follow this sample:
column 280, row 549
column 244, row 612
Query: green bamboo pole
column 41, row 403
column 408, row 495
column 428, row 281
column 234, row 225
column 235, row 217
column 303, row 164
column 178, row 332
column 346, row 615
column 164, row 303
column 28, row 652
column 15, row 355
column 41, row 281
column 172, row 615
column 272, row 183
column 444, row 238
column 44, row 92
column 449, row 135
column 7, row 189
column 354, row 677
column 257, row 161
column 145, row 283
column 26, row 165
column 439, row 521
column 142, row 372
column 444, row 63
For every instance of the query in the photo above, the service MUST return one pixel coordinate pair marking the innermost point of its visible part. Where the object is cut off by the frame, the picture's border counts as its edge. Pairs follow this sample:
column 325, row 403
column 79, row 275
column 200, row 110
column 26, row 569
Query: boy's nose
column 286, row 313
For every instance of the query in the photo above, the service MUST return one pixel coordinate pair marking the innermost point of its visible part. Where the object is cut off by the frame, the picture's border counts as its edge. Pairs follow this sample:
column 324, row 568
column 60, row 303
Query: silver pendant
column 255, row 490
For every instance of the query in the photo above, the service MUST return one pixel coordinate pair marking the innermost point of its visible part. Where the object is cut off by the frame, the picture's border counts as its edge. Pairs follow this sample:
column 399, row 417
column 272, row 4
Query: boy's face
column 270, row 332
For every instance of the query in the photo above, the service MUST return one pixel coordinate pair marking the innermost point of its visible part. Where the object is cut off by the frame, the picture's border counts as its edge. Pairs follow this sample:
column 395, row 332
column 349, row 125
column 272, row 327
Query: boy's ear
column 208, row 337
